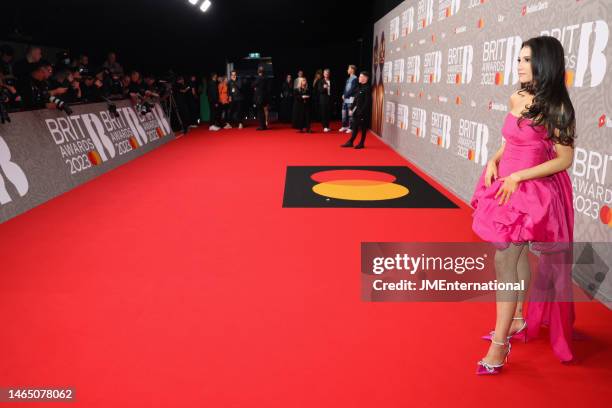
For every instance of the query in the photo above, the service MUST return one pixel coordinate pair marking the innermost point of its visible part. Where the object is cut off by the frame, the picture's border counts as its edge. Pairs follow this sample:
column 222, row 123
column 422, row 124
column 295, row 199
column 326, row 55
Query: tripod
column 168, row 103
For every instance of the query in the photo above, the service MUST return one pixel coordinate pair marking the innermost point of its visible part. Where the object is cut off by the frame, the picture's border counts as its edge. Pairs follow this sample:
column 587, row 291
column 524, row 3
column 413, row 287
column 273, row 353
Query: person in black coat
column 302, row 107
column 362, row 110
column 287, row 99
column 234, row 89
column 213, row 100
column 325, row 95
column 261, row 97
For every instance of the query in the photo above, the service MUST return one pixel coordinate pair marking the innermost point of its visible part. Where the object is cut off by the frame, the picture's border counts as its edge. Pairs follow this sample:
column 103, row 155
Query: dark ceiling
column 159, row 34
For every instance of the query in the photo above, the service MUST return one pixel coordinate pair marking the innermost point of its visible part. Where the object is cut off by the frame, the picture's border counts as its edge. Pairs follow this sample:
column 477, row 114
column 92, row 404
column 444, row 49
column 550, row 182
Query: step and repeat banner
column 443, row 73
column 46, row 153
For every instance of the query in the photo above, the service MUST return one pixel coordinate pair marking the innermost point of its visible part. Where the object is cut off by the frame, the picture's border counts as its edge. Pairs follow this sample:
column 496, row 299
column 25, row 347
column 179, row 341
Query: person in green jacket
column 204, row 105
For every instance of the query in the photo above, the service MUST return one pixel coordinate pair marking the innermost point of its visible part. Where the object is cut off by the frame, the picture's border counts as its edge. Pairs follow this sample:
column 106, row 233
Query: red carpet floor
column 178, row 280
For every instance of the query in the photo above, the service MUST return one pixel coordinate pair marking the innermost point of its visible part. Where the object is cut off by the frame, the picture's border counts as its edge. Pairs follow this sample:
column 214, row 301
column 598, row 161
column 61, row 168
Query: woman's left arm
column 563, row 161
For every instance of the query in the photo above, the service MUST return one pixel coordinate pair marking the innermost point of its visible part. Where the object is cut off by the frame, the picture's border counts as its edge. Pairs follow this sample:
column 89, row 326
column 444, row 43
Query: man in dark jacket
column 213, row 100
column 234, row 89
column 260, row 97
column 361, row 108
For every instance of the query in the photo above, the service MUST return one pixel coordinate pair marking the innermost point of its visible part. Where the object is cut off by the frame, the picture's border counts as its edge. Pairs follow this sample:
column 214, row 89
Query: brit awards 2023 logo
column 585, row 51
column 448, row 8
column 432, row 67
column 419, row 122
column 460, row 65
column 90, row 139
column 403, row 112
column 590, row 179
column 500, row 61
column 441, row 130
column 425, row 13
column 472, row 141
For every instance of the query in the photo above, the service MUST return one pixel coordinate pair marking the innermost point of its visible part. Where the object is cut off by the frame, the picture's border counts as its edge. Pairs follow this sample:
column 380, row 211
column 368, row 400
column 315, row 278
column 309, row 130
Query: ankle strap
column 498, row 343
column 518, row 318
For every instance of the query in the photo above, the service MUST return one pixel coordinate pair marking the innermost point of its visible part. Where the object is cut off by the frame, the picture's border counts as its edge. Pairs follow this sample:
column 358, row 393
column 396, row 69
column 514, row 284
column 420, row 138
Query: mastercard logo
column 481, row 23
column 160, row 132
column 458, row 100
column 499, row 78
column 605, row 215
column 94, row 158
column 458, row 79
column 448, row 12
column 602, row 121
column 358, row 185
column 134, row 143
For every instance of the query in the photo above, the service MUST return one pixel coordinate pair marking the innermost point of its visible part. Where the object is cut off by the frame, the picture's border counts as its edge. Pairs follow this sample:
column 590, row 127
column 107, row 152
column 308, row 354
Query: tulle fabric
column 540, row 213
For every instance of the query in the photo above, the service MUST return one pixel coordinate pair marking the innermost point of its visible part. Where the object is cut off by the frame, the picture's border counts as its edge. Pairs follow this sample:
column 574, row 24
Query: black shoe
column 347, row 144
column 359, row 146
column 261, row 128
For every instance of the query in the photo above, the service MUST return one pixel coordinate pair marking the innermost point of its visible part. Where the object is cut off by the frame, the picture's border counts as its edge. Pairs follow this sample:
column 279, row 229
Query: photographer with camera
column 34, row 90
column 9, row 99
column 65, row 85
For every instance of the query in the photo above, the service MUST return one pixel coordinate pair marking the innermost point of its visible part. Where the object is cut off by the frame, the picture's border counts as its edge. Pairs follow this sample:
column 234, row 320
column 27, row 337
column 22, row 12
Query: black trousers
column 325, row 108
column 215, row 114
column 236, row 115
column 359, row 124
column 261, row 115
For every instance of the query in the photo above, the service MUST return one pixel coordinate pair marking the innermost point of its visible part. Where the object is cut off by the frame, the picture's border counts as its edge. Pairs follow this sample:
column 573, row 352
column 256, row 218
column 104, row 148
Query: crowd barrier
column 45, row 153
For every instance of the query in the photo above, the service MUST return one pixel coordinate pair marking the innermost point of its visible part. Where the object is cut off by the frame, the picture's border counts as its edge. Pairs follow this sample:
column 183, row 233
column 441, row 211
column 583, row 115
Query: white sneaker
column 327, row 130
column 342, row 129
column 227, row 126
column 215, row 128
column 240, row 126
column 348, row 131
column 193, row 126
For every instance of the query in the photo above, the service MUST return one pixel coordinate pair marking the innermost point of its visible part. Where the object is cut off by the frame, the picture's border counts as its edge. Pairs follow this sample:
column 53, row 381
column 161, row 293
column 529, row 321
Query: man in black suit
column 324, row 90
column 260, row 97
column 361, row 108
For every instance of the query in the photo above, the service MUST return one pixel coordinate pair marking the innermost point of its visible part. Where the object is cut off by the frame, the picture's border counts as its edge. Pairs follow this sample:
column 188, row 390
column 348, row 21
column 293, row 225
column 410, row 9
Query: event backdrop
column 443, row 72
column 45, row 153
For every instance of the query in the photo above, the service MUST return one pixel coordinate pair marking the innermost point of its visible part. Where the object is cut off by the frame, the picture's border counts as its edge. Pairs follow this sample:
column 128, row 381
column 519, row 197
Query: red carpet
column 178, row 280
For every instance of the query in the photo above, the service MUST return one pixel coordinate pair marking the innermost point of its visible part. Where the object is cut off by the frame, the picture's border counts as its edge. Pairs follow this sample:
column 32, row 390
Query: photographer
column 34, row 90
column 63, row 84
column 6, row 60
column 24, row 67
column 92, row 88
column 9, row 99
column 184, row 96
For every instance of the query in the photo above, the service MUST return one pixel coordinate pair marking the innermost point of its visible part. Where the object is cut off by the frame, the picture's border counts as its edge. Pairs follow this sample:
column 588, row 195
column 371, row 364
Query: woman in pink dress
column 523, row 200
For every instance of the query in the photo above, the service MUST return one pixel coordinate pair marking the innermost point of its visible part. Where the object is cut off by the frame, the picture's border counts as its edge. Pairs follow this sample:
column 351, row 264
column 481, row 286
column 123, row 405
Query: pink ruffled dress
column 540, row 213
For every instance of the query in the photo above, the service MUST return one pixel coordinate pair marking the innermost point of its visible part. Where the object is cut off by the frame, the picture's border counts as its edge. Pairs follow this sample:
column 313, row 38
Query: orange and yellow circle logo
column 358, row 185
column 605, row 215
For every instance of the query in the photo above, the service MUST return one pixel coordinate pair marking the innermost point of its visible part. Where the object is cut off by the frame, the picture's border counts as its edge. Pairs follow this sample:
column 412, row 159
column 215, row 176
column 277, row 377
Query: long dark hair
column 551, row 106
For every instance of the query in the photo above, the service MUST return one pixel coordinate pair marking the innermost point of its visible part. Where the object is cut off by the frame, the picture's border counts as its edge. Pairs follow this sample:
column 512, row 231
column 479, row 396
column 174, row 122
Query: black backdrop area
column 154, row 35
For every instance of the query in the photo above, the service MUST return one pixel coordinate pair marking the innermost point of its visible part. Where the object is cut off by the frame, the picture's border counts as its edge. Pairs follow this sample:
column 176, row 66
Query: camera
column 61, row 105
column 5, row 98
column 144, row 108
